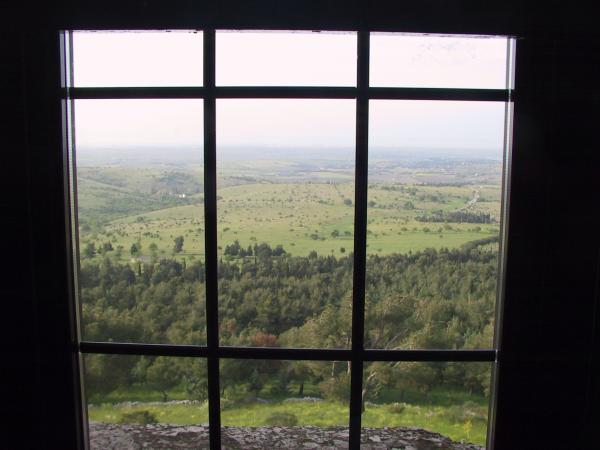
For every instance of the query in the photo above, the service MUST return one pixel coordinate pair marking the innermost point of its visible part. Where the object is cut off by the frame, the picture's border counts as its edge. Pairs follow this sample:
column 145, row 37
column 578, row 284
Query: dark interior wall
column 551, row 280
column 16, row 368
column 548, row 384
column 38, row 408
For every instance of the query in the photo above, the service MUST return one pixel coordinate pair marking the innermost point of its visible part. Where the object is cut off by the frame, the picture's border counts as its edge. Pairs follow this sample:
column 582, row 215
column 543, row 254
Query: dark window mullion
column 72, row 238
column 451, row 94
column 135, row 92
column 381, row 93
column 286, row 92
column 210, row 226
column 283, row 353
column 502, row 245
column 360, row 238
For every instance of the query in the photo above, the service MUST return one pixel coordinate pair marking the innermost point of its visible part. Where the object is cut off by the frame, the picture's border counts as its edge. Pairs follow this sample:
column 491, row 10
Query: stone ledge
column 162, row 437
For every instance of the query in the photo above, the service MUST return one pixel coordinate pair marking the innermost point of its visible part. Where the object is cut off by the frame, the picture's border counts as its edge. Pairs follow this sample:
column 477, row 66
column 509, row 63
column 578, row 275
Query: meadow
column 302, row 217
column 453, row 413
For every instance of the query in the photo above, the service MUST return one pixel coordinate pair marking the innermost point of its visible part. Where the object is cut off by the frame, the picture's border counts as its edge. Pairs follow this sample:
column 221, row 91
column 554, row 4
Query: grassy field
column 302, row 217
column 454, row 414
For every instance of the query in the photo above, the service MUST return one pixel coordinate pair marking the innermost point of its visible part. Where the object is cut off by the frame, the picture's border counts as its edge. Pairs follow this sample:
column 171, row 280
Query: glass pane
column 146, row 402
column 141, row 220
column 285, row 59
column 406, row 60
column 405, row 405
column 133, row 58
column 434, row 203
column 285, row 221
column 269, row 404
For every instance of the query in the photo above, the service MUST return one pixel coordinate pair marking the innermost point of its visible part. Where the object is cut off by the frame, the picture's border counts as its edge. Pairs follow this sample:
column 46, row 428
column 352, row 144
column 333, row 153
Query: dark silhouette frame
column 362, row 94
column 548, row 386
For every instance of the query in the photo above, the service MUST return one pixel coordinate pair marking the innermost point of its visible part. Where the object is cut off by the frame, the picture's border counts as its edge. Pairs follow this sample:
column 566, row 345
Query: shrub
column 397, row 408
column 467, row 411
column 227, row 403
column 336, row 388
column 255, row 382
column 282, row 419
column 142, row 416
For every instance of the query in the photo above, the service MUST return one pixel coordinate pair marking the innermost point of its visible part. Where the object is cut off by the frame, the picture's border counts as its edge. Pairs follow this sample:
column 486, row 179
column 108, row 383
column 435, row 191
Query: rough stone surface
column 162, row 437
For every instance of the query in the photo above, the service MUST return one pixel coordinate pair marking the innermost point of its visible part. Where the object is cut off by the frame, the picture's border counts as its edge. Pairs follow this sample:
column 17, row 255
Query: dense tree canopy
column 430, row 299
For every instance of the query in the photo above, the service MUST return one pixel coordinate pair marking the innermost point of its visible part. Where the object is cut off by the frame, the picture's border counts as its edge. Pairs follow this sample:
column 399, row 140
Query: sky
column 283, row 59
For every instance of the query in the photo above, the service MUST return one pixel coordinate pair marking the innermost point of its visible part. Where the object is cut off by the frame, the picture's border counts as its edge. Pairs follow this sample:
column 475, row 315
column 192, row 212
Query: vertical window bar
column 502, row 244
column 72, row 225
column 210, row 226
column 360, row 238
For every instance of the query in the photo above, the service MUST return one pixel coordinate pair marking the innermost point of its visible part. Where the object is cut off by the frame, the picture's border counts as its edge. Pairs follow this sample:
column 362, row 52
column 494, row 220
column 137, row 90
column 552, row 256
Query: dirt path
column 475, row 199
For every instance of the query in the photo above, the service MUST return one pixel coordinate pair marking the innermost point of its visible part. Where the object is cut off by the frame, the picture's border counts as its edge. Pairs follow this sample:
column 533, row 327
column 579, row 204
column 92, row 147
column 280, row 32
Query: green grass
column 433, row 418
column 168, row 413
column 301, row 217
column 323, row 414
column 452, row 413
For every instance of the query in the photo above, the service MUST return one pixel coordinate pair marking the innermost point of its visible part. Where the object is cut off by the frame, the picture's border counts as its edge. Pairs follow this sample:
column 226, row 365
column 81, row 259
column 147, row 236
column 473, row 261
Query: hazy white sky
column 137, row 58
column 438, row 61
column 285, row 58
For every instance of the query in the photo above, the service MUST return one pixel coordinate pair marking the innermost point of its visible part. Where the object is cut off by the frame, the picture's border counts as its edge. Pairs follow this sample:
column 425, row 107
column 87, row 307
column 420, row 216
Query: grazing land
column 303, row 207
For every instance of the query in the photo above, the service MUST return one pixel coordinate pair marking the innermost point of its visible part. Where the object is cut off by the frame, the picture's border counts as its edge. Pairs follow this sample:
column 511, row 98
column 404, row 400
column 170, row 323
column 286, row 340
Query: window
column 276, row 229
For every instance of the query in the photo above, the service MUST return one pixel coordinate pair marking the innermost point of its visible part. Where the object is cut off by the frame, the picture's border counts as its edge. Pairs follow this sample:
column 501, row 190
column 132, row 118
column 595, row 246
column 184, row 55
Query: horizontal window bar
column 221, row 92
column 285, row 92
column 501, row 95
column 123, row 348
column 430, row 355
column 284, row 353
column 487, row 95
column 135, row 92
column 126, row 348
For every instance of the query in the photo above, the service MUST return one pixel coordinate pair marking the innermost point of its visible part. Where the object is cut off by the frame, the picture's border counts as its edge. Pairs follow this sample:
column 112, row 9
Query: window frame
column 362, row 93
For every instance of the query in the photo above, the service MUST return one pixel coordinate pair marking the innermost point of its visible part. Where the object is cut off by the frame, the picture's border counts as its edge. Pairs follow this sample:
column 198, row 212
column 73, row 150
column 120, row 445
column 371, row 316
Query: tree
column 421, row 376
column 163, row 375
column 178, row 247
column 105, row 373
column 299, row 371
column 347, row 202
column 388, row 320
column 371, row 387
column 336, row 387
column 261, row 339
column 255, row 382
column 134, row 250
column 278, row 251
column 90, row 250
column 409, row 205
column 195, row 379
column 233, row 249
